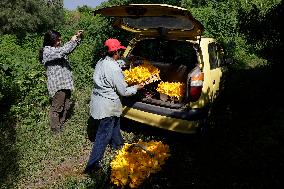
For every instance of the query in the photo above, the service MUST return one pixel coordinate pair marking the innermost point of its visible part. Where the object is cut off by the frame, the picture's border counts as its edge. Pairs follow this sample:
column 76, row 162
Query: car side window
column 213, row 56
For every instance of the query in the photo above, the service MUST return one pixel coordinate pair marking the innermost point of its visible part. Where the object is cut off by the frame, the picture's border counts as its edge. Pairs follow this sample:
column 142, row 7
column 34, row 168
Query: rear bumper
column 179, row 120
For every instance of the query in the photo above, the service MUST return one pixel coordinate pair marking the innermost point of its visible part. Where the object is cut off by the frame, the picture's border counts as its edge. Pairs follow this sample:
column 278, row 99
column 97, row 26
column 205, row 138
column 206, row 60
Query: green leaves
column 21, row 16
column 239, row 25
column 24, row 81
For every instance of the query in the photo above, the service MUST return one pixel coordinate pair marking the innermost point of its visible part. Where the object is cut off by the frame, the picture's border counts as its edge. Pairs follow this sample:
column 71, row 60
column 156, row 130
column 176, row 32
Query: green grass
column 45, row 160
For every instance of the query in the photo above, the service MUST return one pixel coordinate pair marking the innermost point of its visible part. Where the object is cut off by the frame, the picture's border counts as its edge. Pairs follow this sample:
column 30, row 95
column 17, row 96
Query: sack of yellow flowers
column 144, row 73
column 135, row 162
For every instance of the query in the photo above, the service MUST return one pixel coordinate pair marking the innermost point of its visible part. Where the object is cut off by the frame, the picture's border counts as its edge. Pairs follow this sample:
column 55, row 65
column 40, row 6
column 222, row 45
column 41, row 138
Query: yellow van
column 170, row 39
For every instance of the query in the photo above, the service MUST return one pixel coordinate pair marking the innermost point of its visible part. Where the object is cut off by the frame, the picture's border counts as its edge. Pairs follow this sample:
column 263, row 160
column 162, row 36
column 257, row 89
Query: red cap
column 113, row 45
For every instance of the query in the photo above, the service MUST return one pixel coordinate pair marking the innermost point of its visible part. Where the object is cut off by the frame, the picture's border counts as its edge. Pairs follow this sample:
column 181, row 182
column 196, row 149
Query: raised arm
column 52, row 53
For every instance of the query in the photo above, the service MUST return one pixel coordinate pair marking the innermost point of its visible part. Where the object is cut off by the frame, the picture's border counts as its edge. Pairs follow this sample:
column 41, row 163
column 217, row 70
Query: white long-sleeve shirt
column 109, row 85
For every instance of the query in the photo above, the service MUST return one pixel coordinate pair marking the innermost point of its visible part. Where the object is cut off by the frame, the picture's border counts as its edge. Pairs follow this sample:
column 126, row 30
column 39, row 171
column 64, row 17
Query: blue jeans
column 108, row 133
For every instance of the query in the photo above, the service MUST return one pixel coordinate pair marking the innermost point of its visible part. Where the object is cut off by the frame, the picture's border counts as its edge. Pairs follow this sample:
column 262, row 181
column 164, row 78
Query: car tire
column 203, row 132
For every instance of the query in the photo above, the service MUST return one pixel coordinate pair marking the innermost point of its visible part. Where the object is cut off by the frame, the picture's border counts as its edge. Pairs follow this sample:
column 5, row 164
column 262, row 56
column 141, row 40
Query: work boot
column 54, row 122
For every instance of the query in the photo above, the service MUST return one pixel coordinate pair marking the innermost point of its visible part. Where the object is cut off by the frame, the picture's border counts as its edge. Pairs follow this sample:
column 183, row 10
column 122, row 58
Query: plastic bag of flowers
column 132, row 166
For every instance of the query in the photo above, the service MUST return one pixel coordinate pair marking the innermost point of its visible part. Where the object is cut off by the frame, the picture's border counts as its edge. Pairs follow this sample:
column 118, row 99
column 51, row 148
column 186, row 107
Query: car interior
column 174, row 63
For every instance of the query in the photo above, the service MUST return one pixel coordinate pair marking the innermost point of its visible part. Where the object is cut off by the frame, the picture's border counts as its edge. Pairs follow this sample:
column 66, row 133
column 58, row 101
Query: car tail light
column 195, row 84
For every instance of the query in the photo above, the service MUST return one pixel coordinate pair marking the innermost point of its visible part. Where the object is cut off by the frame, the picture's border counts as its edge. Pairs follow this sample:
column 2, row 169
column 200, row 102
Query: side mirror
column 224, row 60
column 228, row 61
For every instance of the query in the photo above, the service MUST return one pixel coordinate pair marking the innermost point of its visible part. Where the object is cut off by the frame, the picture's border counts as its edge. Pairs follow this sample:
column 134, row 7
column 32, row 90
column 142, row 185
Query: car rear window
column 156, row 22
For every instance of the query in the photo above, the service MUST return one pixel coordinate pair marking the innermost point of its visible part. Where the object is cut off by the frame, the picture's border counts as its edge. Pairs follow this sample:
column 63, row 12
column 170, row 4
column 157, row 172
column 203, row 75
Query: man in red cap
column 105, row 105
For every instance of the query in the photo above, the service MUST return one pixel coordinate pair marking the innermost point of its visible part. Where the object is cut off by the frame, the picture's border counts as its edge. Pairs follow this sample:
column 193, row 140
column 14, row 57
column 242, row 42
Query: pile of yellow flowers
column 141, row 74
column 132, row 166
column 172, row 89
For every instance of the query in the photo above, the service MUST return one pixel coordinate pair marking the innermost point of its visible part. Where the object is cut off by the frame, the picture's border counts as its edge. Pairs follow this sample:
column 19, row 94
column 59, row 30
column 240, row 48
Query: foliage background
column 250, row 31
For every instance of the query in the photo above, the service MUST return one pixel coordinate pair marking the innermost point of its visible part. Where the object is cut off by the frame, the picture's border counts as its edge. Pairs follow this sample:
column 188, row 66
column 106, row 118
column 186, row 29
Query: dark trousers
column 59, row 107
column 108, row 132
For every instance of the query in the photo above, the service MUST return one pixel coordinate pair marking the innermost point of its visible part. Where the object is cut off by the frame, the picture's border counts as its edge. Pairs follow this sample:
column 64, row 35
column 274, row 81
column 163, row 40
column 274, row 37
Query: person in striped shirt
column 59, row 75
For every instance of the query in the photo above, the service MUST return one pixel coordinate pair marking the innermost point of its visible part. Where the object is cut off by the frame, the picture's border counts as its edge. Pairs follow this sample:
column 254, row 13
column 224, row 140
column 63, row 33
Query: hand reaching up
column 79, row 34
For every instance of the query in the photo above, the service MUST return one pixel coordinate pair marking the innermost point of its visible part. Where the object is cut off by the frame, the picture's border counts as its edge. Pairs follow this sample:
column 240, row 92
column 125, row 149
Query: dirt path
column 53, row 174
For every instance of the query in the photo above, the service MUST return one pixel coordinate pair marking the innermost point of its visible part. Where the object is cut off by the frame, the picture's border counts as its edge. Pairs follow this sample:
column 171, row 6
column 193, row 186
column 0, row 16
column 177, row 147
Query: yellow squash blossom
column 144, row 73
column 132, row 166
column 172, row 89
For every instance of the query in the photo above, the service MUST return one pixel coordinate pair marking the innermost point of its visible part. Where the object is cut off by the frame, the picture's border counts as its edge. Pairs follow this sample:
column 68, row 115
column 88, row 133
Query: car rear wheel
column 204, row 131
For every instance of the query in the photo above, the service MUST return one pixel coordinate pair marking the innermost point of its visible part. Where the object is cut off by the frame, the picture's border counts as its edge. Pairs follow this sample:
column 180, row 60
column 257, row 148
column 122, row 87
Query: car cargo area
column 174, row 65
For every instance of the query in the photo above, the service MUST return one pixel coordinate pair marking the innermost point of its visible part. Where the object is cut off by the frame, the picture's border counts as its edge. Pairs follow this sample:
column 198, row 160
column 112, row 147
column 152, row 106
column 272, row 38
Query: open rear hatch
column 154, row 20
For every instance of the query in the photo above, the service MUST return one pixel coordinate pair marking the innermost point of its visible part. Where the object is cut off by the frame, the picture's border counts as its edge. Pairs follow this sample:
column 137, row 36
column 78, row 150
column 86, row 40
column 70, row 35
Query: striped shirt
column 58, row 70
column 109, row 85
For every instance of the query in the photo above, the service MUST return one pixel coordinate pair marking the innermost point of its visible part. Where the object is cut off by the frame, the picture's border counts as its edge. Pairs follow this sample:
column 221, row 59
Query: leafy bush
column 224, row 21
column 26, row 73
column 21, row 16
column 6, row 88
